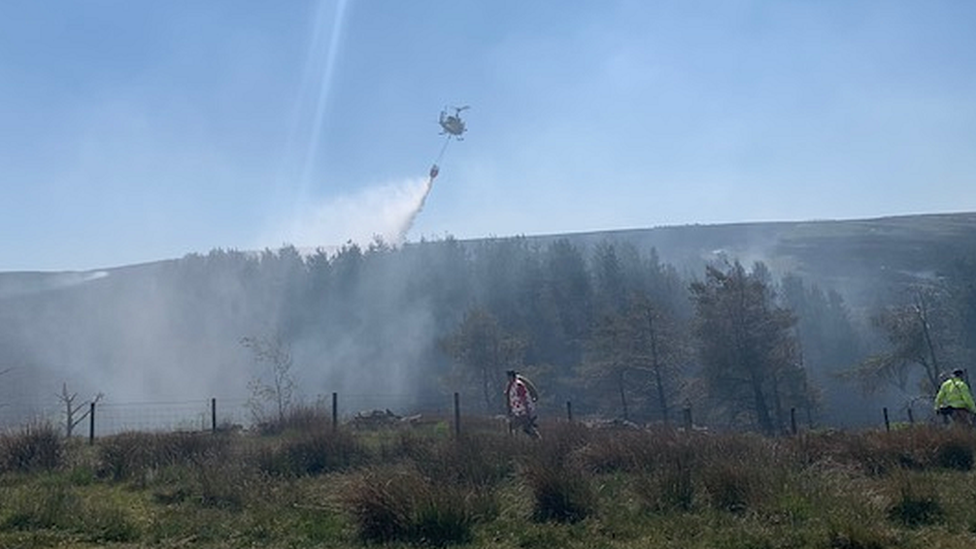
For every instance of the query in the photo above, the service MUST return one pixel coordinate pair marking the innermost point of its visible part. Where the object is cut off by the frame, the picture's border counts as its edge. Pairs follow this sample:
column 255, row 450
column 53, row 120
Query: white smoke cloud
column 386, row 211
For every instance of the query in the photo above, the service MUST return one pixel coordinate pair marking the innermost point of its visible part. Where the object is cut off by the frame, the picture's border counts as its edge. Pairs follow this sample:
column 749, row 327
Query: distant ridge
column 895, row 249
column 889, row 250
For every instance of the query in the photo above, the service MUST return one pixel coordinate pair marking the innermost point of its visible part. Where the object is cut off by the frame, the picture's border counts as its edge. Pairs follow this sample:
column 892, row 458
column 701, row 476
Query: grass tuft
column 560, row 489
column 667, row 488
column 137, row 456
column 36, row 448
column 916, row 509
column 400, row 504
column 47, row 504
column 313, row 453
column 956, row 452
column 298, row 419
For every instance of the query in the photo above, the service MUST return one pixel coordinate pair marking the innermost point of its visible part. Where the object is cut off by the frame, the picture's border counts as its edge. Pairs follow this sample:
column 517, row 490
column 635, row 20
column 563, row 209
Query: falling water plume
column 408, row 223
column 384, row 211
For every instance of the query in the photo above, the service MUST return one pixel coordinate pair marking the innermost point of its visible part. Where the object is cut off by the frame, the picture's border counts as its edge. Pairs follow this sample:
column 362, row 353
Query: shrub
column 623, row 450
column 474, row 461
column 133, row 455
column 48, row 504
column 381, row 505
column 182, row 447
column 868, row 451
column 560, row 496
column 730, row 488
column 561, row 492
column 740, row 472
column 223, row 485
column 298, row 418
column 914, row 510
column 668, row 487
column 955, row 453
column 54, row 504
column 881, row 453
column 105, row 521
column 313, row 454
column 35, row 448
column 400, row 504
column 441, row 520
column 861, row 538
column 408, row 445
column 567, row 438
column 122, row 456
column 666, row 470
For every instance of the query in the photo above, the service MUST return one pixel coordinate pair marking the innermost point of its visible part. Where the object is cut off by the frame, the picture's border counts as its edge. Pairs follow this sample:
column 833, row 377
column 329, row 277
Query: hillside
column 840, row 254
column 171, row 329
column 851, row 256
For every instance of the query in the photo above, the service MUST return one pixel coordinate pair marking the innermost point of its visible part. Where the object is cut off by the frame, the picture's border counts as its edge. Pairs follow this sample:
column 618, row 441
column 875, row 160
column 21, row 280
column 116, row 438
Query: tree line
column 610, row 327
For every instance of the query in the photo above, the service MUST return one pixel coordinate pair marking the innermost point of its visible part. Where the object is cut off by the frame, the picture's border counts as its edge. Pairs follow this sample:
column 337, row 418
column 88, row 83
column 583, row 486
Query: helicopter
column 452, row 123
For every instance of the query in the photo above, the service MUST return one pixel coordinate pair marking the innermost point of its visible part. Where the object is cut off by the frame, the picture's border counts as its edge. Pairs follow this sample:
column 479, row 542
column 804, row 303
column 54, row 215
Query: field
column 303, row 485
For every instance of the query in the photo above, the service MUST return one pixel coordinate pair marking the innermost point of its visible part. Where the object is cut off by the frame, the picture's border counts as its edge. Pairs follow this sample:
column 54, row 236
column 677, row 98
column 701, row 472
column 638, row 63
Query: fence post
column 457, row 415
column 887, row 424
column 335, row 412
column 213, row 415
column 793, row 420
column 569, row 410
column 91, row 425
column 911, row 417
column 687, row 413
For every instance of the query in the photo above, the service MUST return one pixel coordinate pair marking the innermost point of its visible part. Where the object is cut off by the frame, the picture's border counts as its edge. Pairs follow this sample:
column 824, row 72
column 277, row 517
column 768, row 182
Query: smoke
column 385, row 212
column 169, row 332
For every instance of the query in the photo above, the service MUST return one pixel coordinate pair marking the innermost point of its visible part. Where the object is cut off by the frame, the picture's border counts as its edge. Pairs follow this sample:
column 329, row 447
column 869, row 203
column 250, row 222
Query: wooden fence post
column 335, row 412
column 887, row 423
column 91, row 424
column 793, row 420
column 457, row 415
column 911, row 417
column 569, row 410
column 687, row 413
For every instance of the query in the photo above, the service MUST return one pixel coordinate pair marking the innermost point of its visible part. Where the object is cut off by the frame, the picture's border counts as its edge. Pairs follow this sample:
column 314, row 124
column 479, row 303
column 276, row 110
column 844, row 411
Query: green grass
column 577, row 488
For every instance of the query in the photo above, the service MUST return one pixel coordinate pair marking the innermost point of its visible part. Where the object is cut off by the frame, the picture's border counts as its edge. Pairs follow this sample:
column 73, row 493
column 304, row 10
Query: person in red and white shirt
column 521, row 404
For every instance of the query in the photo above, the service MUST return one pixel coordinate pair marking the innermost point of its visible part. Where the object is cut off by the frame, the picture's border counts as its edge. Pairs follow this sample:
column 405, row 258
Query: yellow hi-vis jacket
column 954, row 393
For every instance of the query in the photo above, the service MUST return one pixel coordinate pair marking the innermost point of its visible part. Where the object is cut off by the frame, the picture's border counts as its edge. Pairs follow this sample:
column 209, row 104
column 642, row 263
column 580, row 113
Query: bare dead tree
column 280, row 390
column 71, row 410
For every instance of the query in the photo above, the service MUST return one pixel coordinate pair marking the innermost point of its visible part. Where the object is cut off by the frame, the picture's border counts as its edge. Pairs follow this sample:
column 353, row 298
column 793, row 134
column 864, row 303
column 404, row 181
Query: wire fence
column 196, row 415
column 105, row 418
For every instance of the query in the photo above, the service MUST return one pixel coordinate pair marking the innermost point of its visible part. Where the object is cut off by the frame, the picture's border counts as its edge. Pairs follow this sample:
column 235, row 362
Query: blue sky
column 132, row 131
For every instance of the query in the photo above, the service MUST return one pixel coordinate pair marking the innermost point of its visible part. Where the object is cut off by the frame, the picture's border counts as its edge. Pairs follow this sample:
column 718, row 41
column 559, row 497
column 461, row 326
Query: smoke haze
column 171, row 330
column 385, row 211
